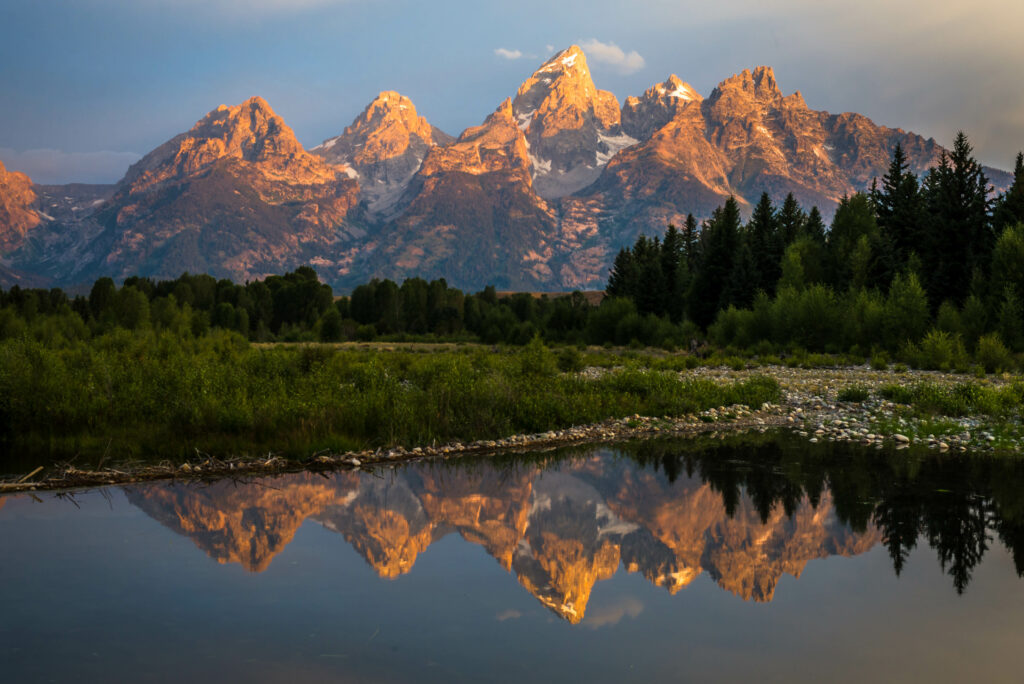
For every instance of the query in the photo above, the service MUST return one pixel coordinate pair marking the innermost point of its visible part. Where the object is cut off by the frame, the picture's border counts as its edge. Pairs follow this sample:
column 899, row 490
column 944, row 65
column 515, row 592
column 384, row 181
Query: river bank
column 840, row 404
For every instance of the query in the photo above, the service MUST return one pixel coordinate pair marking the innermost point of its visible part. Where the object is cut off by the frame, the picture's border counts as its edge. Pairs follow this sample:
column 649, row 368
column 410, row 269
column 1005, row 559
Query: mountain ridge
column 541, row 195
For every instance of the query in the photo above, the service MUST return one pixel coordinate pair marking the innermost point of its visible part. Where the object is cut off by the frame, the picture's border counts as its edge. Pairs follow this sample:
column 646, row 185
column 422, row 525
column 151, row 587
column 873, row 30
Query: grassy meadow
column 158, row 395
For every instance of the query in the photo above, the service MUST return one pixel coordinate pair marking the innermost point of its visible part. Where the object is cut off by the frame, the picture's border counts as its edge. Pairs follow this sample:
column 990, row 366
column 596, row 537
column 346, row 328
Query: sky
column 88, row 86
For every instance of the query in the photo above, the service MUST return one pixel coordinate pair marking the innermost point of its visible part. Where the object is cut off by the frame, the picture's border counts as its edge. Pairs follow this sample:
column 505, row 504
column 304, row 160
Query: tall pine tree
column 765, row 247
column 691, row 247
column 960, row 235
column 814, row 227
column 900, row 207
column 1009, row 209
column 623, row 277
column 792, row 220
column 720, row 241
column 675, row 273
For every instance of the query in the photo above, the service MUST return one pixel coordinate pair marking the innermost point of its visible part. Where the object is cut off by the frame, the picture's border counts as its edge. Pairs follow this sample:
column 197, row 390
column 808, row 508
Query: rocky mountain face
column 385, row 146
column 236, row 196
column 471, row 210
column 17, row 216
column 572, row 128
column 540, row 196
column 561, row 531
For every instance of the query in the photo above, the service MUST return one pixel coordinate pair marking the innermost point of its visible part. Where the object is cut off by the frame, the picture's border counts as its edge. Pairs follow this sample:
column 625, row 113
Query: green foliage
column 906, row 311
column 993, row 355
column 536, row 360
column 570, row 360
column 854, row 393
column 1010, row 323
column 906, row 259
column 957, row 400
column 158, row 394
column 939, row 350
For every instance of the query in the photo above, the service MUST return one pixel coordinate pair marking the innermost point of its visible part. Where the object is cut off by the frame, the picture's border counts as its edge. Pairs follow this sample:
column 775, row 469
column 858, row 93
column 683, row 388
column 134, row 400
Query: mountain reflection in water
column 744, row 515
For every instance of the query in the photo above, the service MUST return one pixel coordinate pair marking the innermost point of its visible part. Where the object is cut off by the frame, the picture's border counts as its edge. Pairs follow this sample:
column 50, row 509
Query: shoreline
column 66, row 477
column 809, row 407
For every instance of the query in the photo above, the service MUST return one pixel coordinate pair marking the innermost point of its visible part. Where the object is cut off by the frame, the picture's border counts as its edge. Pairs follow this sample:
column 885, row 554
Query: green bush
column 993, row 355
column 940, row 350
column 570, row 360
column 854, row 393
column 958, row 400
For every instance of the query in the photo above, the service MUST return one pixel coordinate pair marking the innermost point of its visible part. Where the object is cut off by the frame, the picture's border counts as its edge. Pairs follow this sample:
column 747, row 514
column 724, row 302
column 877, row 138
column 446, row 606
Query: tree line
column 936, row 261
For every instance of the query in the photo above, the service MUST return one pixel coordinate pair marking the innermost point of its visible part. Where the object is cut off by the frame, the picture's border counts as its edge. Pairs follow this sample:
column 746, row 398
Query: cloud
column 606, row 616
column 510, row 614
column 613, row 55
column 508, row 54
column 53, row 167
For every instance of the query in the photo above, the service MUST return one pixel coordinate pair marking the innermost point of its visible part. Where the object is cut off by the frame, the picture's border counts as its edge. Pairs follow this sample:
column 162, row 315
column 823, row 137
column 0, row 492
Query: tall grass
column 962, row 399
column 156, row 394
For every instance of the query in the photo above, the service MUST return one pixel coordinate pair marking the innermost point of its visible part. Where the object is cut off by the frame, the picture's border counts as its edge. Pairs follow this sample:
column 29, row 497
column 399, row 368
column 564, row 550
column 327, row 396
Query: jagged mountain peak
column 676, row 88
column 382, row 130
column 384, row 147
column 495, row 145
column 759, row 84
column 390, row 106
column 503, row 113
column 566, row 76
column 249, row 132
column 571, row 58
column 250, row 129
column 573, row 128
column 642, row 116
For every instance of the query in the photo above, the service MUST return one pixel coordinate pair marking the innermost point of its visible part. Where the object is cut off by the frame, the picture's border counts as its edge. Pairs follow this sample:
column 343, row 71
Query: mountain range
column 560, row 532
column 540, row 196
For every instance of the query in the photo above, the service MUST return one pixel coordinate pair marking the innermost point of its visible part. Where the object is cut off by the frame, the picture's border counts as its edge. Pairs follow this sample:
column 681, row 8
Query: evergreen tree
column 814, row 227
column 1008, row 262
column 764, row 246
column 719, row 242
column 102, row 296
column 792, row 221
column 899, row 207
column 855, row 219
column 1011, row 320
column 960, row 237
column 650, row 289
column 1009, row 209
column 675, row 273
column 690, row 245
column 623, row 277
column 744, row 278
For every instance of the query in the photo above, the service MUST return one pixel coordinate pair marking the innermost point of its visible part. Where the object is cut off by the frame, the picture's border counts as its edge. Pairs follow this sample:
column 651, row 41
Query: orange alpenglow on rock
column 384, row 147
column 235, row 196
column 572, row 128
column 17, row 217
column 561, row 532
column 250, row 132
column 495, row 145
column 539, row 197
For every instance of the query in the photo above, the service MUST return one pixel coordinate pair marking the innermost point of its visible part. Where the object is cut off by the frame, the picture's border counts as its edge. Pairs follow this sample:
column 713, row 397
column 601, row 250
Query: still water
column 765, row 559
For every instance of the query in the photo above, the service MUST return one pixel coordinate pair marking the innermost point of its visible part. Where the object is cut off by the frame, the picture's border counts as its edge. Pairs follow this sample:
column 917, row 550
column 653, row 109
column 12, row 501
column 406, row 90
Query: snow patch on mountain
column 614, row 143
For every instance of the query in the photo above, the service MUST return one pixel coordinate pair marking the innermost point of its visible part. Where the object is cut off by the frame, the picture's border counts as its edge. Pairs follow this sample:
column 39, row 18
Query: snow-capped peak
column 676, row 88
column 565, row 60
